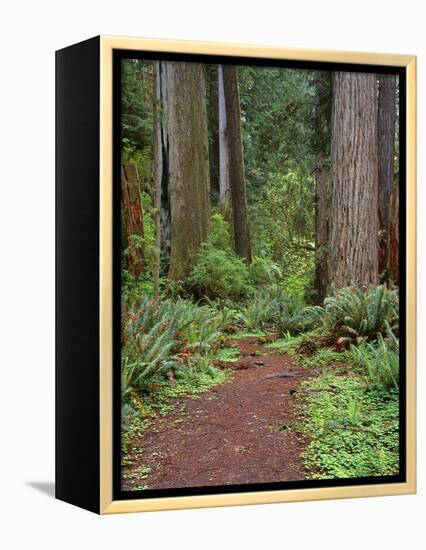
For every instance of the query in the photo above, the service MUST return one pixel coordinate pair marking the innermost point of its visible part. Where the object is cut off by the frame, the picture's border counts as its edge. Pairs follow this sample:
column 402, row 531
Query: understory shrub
column 219, row 274
column 294, row 321
column 282, row 226
column 134, row 289
column 263, row 272
column 159, row 337
column 218, row 271
column 314, row 341
column 258, row 312
column 379, row 360
column 271, row 306
column 357, row 314
column 290, row 315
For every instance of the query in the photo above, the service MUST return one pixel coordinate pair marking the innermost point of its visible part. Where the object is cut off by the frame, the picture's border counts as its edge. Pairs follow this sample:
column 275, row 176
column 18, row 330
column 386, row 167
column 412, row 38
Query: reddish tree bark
column 133, row 217
column 354, row 211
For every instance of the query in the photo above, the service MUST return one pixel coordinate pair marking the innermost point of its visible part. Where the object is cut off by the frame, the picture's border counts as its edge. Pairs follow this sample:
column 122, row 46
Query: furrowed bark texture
column 354, row 211
column 188, row 163
column 322, row 176
column 236, row 162
column 133, row 216
column 386, row 130
column 393, row 250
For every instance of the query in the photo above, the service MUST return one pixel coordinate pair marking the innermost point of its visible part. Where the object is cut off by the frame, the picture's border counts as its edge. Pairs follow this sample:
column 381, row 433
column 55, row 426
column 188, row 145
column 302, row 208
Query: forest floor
column 238, row 432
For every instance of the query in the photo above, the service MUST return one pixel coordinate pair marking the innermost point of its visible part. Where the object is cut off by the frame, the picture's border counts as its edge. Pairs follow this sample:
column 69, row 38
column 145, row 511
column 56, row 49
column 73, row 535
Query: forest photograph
column 260, row 273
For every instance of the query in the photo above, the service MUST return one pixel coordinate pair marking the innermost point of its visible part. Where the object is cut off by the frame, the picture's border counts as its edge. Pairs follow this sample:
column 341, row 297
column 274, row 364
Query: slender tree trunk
column 236, row 162
column 322, row 175
column 185, row 125
column 133, row 217
column 354, row 211
column 321, row 229
column 224, row 188
column 386, row 130
column 158, row 175
column 163, row 157
column 225, row 203
column 393, row 232
column 213, row 127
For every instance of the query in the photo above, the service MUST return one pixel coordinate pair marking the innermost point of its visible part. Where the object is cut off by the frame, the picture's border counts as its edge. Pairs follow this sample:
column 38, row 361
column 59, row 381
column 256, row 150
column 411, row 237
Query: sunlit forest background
column 261, row 204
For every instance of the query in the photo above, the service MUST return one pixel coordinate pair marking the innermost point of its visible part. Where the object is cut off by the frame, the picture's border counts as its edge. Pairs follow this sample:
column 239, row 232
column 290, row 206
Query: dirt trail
column 229, row 435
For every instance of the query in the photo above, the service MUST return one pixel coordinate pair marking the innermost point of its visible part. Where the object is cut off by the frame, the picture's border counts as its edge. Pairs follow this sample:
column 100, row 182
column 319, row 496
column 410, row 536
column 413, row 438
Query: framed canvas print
column 235, row 274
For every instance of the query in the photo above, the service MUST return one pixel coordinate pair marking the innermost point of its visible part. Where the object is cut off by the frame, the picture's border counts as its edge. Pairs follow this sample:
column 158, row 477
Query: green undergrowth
column 287, row 344
column 194, row 381
column 349, row 418
column 323, row 357
column 229, row 355
column 352, row 426
column 305, row 350
column 249, row 334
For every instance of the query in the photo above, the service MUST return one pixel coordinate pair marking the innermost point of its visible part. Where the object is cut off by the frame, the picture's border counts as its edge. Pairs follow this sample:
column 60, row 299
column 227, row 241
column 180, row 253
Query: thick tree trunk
column 236, row 162
column 386, row 132
column 133, row 217
column 354, row 212
column 185, row 129
column 393, row 231
column 322, row 175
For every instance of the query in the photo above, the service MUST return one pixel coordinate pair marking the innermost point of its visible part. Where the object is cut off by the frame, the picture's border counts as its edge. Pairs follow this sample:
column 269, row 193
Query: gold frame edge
column 107, row 504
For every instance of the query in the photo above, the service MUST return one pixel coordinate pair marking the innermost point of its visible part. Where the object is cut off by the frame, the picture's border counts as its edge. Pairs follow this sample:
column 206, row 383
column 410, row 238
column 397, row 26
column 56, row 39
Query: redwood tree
column 185, row 161
column 354, row 212
column 236, row 162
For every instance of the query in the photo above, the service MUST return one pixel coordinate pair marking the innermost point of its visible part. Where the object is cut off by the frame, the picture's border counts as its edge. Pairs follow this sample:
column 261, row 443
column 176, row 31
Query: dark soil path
column 233, row 434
